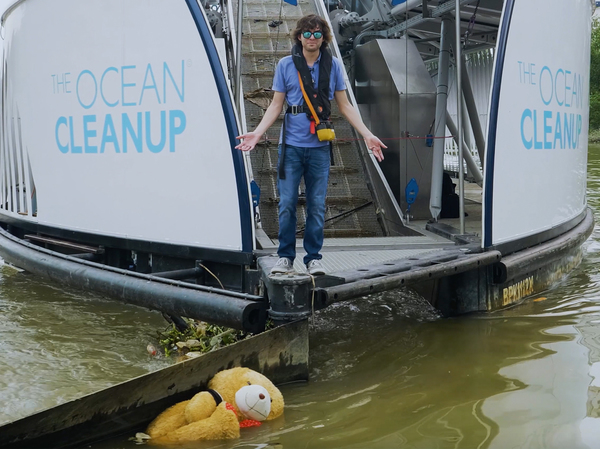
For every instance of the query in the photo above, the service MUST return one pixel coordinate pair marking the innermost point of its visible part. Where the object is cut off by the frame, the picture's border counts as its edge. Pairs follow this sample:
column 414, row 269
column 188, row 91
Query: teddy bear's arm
column 169, row 420
column 201, row 406
column 222, row 424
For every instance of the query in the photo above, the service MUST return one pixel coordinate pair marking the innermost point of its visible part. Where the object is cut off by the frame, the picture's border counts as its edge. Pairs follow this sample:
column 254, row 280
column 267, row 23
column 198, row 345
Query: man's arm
column 249, row 140
column 348, row 111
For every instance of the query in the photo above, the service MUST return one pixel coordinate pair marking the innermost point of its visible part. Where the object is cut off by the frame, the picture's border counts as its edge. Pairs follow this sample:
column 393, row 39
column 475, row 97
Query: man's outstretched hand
column 249, row 141
column 376, row 146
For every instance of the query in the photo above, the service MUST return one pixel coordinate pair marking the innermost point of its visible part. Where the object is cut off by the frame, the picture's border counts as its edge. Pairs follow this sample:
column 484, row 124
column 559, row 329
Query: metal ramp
column 351, row 209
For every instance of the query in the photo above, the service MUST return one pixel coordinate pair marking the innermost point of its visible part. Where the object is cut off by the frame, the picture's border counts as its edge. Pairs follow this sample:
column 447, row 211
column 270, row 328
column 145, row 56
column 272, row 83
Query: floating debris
column 261, row 97
column 140, row 438
column 199, row 337
column 152, row 350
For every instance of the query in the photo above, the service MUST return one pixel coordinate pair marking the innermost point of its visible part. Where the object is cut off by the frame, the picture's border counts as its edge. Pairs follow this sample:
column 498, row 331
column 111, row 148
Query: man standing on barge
column 304, row 149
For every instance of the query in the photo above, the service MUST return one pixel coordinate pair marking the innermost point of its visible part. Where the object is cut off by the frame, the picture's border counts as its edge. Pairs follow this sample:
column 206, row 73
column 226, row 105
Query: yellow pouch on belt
column 325, row 131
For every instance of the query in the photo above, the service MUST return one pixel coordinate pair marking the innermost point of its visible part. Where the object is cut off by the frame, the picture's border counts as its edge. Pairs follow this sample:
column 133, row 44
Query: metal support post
column 467, row 130
column 471, row 164
column 466, row 136
column 469, row 99
column 472, row 109
column 437, row 169
column 459, row 95
column 238, row 63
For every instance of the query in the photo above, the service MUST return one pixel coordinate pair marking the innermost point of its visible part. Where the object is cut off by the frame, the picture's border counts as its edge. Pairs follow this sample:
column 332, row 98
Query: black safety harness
column 319, row 97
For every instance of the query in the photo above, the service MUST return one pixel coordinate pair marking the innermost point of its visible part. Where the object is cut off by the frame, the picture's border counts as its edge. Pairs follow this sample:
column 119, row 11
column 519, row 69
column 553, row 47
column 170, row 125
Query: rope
column 268, row 141
column 213, row 275
column 277, row 36
column 471, row 25
column 312, row 301
column 340, row 215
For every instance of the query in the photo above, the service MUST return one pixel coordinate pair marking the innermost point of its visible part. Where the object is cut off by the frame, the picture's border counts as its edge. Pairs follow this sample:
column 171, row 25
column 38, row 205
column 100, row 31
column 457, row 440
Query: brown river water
column 386, row 371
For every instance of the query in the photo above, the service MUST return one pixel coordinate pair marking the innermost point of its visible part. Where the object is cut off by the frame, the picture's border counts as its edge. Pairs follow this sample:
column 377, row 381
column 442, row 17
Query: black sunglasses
column 316, row 34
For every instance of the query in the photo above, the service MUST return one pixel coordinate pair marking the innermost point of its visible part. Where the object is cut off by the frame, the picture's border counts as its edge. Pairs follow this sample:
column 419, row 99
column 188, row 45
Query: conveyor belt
column 264, row 43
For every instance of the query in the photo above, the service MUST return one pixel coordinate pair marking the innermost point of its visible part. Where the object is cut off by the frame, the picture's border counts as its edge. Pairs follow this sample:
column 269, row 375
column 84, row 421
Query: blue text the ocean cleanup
column 147, row 90
column 558, row 123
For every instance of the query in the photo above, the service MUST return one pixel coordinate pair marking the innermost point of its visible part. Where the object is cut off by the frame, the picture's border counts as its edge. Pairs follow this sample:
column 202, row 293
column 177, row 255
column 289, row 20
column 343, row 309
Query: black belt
column 296, row 109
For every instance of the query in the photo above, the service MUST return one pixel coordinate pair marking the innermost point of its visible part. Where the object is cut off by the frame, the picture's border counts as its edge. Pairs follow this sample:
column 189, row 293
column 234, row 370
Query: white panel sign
column 540, row 158
column 121, row 121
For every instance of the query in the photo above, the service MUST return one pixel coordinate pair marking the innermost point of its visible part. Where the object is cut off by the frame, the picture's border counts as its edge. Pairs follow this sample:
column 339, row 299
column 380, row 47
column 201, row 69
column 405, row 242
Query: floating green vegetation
column 198, row 338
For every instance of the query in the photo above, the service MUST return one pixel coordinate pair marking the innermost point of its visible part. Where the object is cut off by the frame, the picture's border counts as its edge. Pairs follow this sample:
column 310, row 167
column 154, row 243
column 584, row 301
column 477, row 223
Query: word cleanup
column 555, row 121
column 137, row 131
column 147, row 103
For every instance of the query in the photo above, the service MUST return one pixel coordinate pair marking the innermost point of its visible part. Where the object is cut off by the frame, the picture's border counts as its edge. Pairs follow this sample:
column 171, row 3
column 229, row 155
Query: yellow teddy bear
column 237, row 397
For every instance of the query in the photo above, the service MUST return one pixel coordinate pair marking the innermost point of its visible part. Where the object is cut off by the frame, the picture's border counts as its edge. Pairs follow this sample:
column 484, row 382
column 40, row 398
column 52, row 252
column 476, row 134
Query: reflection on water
column 386, row 372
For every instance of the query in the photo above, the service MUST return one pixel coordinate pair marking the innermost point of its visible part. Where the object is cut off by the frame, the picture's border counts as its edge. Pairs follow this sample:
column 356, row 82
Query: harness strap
column 308, row 102
column 280, row 170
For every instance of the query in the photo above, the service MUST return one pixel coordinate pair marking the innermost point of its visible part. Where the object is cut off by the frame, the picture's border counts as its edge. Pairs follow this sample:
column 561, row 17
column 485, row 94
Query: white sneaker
column 283, row 265
column 315, row 267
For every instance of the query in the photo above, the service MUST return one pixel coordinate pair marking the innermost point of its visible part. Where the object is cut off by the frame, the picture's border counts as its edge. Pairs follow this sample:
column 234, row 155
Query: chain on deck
column 264, row 42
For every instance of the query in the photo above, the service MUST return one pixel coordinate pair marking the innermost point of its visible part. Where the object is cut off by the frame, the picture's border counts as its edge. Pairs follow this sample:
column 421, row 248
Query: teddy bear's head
column 228, row 382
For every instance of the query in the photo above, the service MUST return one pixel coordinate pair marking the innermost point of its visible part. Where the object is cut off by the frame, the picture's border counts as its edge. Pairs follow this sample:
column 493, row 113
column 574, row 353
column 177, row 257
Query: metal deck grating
column 339, row 261
column 385, row 241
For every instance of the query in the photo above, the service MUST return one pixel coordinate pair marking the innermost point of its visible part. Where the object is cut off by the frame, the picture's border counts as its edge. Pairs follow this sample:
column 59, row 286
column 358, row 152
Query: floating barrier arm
column 233, row 309
column 328, row 295
column 538, row 256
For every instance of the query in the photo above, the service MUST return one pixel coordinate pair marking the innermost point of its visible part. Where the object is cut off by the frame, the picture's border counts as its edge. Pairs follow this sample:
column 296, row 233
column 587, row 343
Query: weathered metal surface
column 531, row 271
column 533, row 281
column 290, row 297
column 534, row 270
column 461, row 283
column 512, row 279
column 281, row 354
column 451, row 266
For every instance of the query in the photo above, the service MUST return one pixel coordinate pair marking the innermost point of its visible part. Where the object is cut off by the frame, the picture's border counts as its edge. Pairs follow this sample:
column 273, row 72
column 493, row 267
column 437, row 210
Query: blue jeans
column 313, row 164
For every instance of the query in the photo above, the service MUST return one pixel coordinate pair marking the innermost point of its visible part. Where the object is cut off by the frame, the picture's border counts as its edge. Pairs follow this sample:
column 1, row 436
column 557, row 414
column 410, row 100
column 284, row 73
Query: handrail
column 322, row 12
column 236, row 61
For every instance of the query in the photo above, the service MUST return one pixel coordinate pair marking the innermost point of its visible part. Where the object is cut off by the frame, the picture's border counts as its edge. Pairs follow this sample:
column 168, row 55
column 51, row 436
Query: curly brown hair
column 311, row 22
